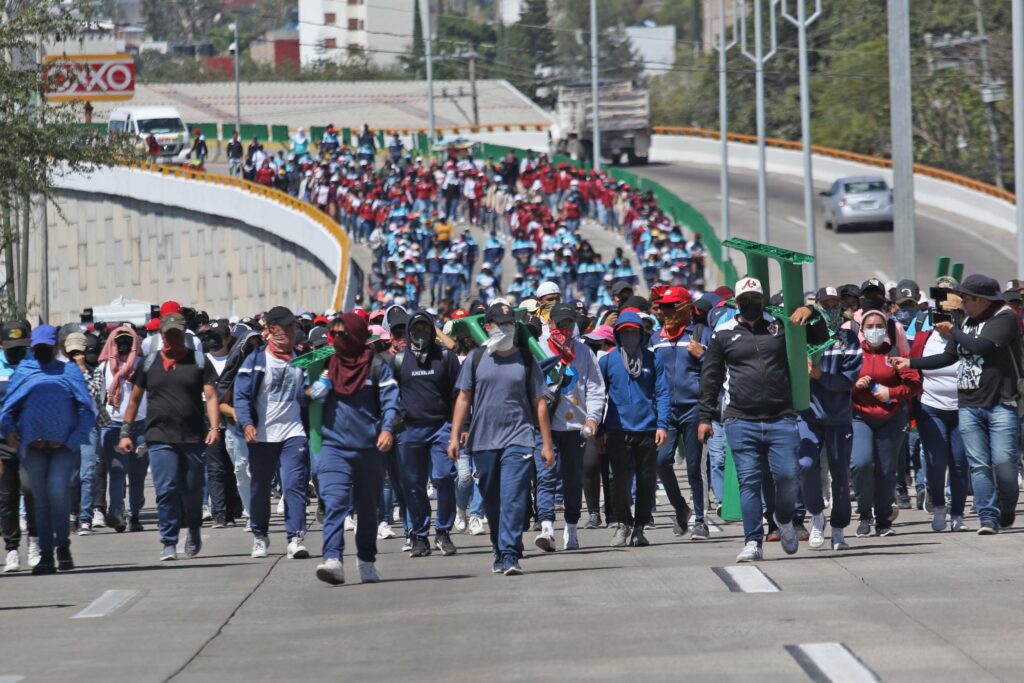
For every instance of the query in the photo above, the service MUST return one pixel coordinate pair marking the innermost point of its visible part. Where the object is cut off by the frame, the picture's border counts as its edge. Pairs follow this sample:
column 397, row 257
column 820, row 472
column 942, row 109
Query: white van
column 163, row 122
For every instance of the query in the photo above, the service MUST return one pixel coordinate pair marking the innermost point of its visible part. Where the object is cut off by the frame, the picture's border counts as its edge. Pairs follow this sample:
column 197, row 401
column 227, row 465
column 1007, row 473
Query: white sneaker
column 396, row 518
column 34, row 553
column 476, row 526
column 260, row 546
column 569, row 540
column 332, row 572
column 169, row 553
column 407, row 546
column 280, row 505
column 839, row 540
column 939, row 518
column 461, row 521
column 350, row 523
column 85, row 529
column 957, row 523
column 787, row 537
column 817, row 537
column 384, row 531
column 546, row 539
column 296, row 551
column 751, row 552
column 99, row 520
column 368, row 572
column 13, row 563
column 207, row 515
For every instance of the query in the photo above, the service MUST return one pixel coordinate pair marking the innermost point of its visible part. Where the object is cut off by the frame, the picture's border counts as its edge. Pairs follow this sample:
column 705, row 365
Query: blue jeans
column 119, row 464
column 876, row 450
column 837, row 441
column 716, row 460
column 238, row 450
column 391, row 491
column 467, row 489
column 87, row 474
column 505, row 486
column 50, row 473
column 760, row 449
column 990, row 438
column 568, row 471
column 682, row 431
column 178, row 475
column 350, row 480
column 940, row 438
column 422, row 455
column 293, row 457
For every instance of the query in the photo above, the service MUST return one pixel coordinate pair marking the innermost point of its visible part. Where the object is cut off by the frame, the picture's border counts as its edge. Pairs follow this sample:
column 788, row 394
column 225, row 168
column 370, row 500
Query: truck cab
column 166, row 125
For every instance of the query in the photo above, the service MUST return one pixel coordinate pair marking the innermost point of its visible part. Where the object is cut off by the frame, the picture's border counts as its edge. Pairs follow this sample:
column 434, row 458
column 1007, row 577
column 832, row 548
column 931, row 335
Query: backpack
column 477, row 355
column 226, row 381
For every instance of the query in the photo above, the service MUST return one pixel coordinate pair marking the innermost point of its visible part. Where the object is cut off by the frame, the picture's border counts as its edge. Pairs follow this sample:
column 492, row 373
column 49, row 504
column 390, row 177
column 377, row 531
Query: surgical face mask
column 874, row 336
column 904, row 315
column 501, row 338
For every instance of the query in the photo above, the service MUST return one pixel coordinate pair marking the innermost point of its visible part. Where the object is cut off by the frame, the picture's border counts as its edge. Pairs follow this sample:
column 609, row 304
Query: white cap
column 547, row 288
column 530, row 305
column 748, row 285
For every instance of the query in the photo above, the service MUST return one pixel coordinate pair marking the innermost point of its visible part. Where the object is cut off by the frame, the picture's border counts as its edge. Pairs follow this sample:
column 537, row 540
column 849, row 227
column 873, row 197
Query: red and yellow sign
column 79, row 78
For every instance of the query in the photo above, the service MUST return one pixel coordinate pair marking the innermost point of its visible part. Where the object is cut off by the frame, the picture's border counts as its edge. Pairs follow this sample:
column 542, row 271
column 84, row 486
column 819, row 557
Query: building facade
column 338, row 30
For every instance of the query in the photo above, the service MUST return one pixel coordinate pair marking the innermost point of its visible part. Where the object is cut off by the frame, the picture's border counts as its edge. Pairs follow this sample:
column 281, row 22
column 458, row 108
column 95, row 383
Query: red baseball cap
column 675, row 295
column 724, row 291
column 657, row 291
column 361, row 312
column 459, row 313
column 169, row 307
column 153, row 325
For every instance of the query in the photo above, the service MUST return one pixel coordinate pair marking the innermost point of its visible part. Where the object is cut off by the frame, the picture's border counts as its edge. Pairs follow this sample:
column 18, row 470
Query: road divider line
column 799, row 221
column 10, row 678
column 746, row 579
column 831, row 663
column 732, row 200
column 109, row 603
column 847, row 248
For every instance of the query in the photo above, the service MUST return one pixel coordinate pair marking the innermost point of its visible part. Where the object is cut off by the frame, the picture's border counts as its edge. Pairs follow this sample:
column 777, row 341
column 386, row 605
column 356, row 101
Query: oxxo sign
column 78, row 78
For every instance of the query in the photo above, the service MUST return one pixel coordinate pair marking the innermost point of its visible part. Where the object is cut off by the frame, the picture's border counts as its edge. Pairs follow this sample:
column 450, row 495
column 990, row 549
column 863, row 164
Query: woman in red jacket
column 880, row 399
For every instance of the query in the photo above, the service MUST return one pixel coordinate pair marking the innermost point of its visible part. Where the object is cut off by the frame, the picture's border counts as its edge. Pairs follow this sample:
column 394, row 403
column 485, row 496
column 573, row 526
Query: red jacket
column 903, row 386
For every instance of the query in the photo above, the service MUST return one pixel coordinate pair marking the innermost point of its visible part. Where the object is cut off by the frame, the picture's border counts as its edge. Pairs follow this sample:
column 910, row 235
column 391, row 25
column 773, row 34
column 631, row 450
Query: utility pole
column 472, row 84
column 723, row 115
column 1018, row 127
column 596, row 109
column 989, row 93
column 802, row 21
column 238, row 87
column 902, row 137
column 428, row 39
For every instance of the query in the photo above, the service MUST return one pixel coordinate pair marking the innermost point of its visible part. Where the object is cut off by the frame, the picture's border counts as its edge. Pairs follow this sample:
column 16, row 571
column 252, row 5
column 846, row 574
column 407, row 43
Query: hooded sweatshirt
column 640, row 404
column 427, row 389
column 903, row 385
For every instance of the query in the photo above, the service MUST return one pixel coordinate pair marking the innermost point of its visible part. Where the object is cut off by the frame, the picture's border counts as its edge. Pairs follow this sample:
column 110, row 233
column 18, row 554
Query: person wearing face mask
column 14, row 482
column 47, row 415
column 503, row 387
column 758, row 420
column 576, row 405
column 426, row 373
column 225, row 503
column 596, row 468
column 268, row 391
column 548, row 294
column 639, row 405
column 680, row 344
column 881, row 397
column 361, row 404
column 396, row 320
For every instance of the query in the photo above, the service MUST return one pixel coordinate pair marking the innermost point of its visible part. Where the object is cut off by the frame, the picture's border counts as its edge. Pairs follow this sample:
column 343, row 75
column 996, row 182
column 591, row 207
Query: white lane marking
column 108, row 603
column 732, row 200
column 799, row 221
column 882, row 276
column 847, row 248
column 11, row 678
column 831, row 663
column 746, row 579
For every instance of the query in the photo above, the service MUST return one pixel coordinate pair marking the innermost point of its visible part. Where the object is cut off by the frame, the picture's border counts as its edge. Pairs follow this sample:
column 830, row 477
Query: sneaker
column 476, row 526
column 895, row 513
column 593, row 521
column 903, row 501
column 280, row 506
column 987, row 529
column 546, row 541
column 652, row 525
column 929, row 507
column 788, row 538
column 864, row 528
column 569, row 540
column 920, row 495
column 751, row 553
column 536, row 526
column 700, row 531
column 885, row 531
column 461, row 521
column 384, row 531
column 331, row 571
column 260, row 546
column 637, row 539
column 117, row 523
column 219, row 522
column 512, row 568
column 368, row 572
column 134, row 524
column 443, row 542
column 681, row 523
column 620, row 537
column 98, row 519
column 497, row 565
column 431, row 491
column 801, row 531
column 297, row 551
column 34, row 553
column 193, row 542
column 45, row 566
column 169, row 553
column 85, row 529
column 207, row 515
column 407, row 546
column 420, row 546
column 957, row 524
column 816, row 539
column 350, row 523
column 13, row 562
column 773, row 535
column 1007, row 518
column 839, row 540
column 64, row 561
column 939, row 518
column 718, row 510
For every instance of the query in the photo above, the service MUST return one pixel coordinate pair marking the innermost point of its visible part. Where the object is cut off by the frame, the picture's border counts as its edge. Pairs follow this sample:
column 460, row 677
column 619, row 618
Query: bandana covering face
column 120, row 371
column 280, row 344
column 562, row 342
column 350, row 365
column 630, row 344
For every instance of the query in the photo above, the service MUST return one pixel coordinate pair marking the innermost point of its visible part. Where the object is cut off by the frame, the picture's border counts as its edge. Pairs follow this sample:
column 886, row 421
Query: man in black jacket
column 235, row 153
column 759, row 420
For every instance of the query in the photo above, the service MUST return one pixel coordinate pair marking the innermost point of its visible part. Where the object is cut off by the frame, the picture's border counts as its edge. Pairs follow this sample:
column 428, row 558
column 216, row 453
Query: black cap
column 318, row 337
column 849, row 290
column 15, row 333
column 279, row 315
column 907, row 290
column 982, row 287
column 639, row 303
column 621, row 286
column 873, row 283
column 220, row 328
column 396, row 316
column 500, row 313
column 827, row 293
column 560, row 312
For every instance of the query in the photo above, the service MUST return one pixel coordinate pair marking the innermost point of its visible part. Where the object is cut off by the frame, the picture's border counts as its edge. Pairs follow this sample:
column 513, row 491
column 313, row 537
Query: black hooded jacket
column 427, row 389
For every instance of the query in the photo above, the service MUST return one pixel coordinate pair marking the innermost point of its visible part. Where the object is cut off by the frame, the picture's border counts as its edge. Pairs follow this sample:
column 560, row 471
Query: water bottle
column 874, row 388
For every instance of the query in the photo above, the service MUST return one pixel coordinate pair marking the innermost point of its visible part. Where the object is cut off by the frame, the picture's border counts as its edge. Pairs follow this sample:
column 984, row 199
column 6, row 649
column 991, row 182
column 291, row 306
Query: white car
column 858, row 200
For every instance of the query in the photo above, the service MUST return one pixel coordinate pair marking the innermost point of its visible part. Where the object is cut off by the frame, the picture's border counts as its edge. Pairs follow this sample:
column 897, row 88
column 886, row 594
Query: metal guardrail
column 880, row 162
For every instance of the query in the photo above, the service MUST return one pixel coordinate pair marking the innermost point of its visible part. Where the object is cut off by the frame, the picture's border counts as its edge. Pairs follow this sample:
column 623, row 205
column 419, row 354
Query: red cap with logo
column 675, row 295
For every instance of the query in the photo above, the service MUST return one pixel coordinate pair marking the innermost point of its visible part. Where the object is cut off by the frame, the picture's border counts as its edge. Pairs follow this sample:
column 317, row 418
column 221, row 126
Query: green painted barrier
column 731, row 511
column 316, row 134
column 227, row 130
column 261, row 133
column 279, row 134
column 209, row 130
column 346, row 136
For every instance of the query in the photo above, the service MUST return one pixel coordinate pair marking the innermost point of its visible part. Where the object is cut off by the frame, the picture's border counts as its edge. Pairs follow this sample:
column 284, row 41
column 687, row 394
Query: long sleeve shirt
column 48, row 403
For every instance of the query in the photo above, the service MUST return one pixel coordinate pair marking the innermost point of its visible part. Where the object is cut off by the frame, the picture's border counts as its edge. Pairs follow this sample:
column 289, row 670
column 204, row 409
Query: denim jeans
column 876, row 452
column 50, row 474
column 292, row 455
column 682, row 433
column 940, row 438
column 117, row 464
column 716, row 460
column 90, row 451
column 220, row 481
column 391, row 492
column 633, row 456
column 467, row 488
column 350, row 482
column 763, row 449
column 239, row 452
column 837, row 442
column 568, row 471
column 990, row 438
column 178, row 480
column 505, row 486
column 422, row 455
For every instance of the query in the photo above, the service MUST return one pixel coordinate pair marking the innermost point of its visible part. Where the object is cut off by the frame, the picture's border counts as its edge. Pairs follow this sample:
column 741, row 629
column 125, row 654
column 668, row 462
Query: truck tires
column 635, row 160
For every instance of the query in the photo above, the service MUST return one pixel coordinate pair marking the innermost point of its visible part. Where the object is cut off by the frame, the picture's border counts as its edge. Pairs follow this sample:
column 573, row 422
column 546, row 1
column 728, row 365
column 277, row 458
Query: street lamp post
column 1018, row 127
column 596, row 108
column 238, row 87
column 723, row 47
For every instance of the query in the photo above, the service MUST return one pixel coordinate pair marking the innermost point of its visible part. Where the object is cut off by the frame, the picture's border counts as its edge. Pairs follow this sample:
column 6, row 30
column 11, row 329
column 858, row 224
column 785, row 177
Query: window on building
column 353, row 24
column 329, row 18
column 330, row 43
column 355, row 2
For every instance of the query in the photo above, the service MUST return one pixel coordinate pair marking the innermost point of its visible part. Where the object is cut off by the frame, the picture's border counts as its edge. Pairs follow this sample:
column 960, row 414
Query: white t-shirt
column 940, row 390
column 117, row 413
column 218, row 362
column 277, row 404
